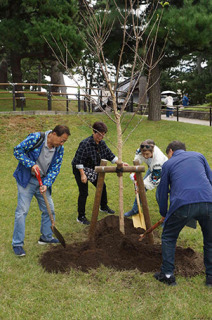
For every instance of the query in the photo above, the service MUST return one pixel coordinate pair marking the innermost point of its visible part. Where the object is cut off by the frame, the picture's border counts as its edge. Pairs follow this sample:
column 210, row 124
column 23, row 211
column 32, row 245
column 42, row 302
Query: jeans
column 24, row 199
column 83, row 193
column 169, row 112
column 202, row 212
column 135, row 204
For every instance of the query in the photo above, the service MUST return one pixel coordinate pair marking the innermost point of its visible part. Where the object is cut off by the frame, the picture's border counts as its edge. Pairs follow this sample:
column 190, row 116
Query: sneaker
column 169, row 280
column 209, row 281
column 19, row 251
column 52, row 241
column 107, row 210
column 130, row 213
column 83, row 220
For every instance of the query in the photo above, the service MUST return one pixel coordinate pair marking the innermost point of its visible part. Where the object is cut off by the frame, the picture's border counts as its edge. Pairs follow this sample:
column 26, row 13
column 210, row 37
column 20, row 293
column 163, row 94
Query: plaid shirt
column 89, row 154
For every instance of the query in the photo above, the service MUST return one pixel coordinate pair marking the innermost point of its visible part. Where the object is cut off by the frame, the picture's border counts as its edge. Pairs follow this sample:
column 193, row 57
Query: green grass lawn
column 28, row 292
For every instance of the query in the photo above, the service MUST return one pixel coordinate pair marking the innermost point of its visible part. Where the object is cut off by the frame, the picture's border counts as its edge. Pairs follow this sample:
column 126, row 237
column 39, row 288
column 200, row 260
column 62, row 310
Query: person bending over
column 187, row 180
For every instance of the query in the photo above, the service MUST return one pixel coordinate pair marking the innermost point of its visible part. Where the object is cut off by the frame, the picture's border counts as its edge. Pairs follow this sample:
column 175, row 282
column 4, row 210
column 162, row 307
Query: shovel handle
column 157, row 224
column 37, row 174
column 138, row 203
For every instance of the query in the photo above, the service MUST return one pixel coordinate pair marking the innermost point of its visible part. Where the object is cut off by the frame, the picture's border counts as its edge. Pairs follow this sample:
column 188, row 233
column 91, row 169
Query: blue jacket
column 188, row 178
column 27, row 159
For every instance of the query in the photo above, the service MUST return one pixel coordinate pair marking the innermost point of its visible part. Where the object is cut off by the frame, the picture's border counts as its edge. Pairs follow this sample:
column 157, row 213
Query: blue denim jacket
column 27, row 159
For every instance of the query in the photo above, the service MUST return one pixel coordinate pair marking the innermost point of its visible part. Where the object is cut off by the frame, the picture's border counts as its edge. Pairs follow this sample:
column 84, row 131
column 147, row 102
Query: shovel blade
column 59, row 236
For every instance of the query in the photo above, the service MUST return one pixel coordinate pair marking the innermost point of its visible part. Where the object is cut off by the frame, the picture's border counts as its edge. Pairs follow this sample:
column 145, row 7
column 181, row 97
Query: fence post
column 14, row 107
column 78, row 96
column 49, row 97
column 177, row 113
column 67, row 101
column 131, row 103
column 22, row 103
column 210, row 117
column 101, row 98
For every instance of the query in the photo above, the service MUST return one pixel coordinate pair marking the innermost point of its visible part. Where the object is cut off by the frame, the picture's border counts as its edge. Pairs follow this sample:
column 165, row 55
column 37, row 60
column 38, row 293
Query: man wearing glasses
column 88, row 155
column 150, row 154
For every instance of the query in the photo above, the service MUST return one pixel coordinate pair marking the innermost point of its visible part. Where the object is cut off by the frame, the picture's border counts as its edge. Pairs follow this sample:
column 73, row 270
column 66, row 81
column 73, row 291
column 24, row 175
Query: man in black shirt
column 88, row 155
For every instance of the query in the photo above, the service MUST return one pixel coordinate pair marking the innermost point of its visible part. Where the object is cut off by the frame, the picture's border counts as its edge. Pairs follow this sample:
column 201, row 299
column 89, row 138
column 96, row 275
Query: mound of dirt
column 122, row 252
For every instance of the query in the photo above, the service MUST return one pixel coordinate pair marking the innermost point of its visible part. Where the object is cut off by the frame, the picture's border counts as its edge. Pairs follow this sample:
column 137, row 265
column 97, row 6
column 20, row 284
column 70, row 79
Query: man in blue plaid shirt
column 88, row 155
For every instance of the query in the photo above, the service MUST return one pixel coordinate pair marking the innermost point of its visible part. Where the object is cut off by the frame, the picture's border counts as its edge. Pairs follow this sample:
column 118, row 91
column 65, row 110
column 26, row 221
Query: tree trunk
column 154, row 95
column 3, row 73
column 55, row 76
column 119, row 165
column 199, row 68
column 142, row 91
column 15, row 62
column 39, row 75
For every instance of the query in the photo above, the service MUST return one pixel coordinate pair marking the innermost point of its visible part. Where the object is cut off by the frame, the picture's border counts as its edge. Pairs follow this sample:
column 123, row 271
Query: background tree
column 25, row 24
column 188, row 27
column 185, row 27
column 193, row 75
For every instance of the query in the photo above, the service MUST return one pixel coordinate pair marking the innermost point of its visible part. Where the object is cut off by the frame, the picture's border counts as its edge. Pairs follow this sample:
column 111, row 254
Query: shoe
column 83, row 220
column 107, row 210
column 19, row 251
column 130, row 213
column 169, row 280
column 52, row 241
column 209, row 281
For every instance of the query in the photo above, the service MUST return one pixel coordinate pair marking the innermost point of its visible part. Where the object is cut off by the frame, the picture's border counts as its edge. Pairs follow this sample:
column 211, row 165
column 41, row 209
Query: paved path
column 187, row 120
column 163, row 116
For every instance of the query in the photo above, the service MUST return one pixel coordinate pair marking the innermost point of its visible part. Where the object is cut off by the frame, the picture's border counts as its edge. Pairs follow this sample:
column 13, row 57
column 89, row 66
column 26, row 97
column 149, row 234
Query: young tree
column 98, row 29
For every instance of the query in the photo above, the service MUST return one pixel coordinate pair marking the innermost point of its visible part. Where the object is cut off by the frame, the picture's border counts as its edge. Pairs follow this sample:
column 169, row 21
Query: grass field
column 35, row 101
column 28, row 292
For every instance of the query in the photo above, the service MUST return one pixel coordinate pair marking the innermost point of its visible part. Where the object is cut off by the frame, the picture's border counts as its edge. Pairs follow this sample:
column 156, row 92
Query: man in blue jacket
column 188, row 178
column 46, row 155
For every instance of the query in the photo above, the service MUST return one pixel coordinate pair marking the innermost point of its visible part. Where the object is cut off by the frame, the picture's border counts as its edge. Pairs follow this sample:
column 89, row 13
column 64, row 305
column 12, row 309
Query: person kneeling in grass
column 150, row 154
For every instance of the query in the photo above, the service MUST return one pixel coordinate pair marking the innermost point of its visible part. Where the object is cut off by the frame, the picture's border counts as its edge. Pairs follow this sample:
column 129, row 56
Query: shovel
column 138, row 219
column 157, row 224
column 54, row 229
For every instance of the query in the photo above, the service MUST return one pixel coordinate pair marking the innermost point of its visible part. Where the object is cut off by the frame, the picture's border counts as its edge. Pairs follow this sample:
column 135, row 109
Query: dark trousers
column 83, row 193
column 169, row 112
column 202, row 212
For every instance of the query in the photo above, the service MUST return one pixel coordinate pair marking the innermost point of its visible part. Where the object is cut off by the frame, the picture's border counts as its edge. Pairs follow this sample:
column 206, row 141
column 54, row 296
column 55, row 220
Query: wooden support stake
column 124, row 169
column 142, row 194
column 97, row 200
column 121, row 207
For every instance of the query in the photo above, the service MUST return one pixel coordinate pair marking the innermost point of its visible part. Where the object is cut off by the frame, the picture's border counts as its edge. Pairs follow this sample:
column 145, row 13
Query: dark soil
column 121, row 252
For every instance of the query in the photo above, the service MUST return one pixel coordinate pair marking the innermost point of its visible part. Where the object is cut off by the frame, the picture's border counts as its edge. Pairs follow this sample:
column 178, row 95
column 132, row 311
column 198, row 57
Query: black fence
column 201, row 113
column 87, row 102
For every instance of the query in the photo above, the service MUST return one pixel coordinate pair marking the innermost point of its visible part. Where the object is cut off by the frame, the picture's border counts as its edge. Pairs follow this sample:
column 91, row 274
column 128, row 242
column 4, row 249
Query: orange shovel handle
column 157, row 224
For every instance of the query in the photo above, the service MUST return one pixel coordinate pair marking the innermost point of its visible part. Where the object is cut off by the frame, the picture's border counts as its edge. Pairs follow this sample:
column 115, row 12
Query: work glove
column 133, row 176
